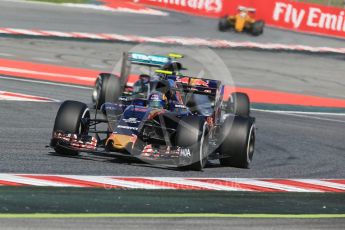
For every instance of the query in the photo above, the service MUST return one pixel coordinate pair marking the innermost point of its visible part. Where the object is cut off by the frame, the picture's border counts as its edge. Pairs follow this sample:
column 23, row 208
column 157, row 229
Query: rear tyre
column 223, row 24
column 238, row 142
column 239, row 104
column 192, row 135
column 107, row 89
column 71, row 118
column 258, row 28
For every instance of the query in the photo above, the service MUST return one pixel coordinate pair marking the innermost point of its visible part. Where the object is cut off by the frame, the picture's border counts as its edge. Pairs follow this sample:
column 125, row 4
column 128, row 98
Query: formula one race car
column 172, row 119
column 242, row 21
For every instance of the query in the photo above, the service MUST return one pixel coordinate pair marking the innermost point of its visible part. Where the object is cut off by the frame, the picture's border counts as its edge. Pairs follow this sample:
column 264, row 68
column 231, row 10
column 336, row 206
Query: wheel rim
column 83, row 128
column 96, row 90
column 203, row 147
column 251, row 144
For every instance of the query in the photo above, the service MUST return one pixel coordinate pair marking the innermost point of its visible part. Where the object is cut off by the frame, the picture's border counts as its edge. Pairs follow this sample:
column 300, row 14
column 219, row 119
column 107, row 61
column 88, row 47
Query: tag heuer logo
column 131, row 120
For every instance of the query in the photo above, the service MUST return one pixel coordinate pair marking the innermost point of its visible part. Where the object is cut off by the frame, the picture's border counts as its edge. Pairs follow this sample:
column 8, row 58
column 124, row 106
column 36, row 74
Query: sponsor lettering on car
column 127, row 127
column 131, row 120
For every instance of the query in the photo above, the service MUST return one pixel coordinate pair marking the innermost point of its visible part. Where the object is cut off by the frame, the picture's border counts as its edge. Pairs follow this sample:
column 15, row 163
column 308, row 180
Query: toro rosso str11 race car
column 163, row 118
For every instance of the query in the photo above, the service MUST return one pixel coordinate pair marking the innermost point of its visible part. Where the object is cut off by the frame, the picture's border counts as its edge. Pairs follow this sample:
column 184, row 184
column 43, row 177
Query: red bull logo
column 192, row 81
column 183, row 80
column 198, row 82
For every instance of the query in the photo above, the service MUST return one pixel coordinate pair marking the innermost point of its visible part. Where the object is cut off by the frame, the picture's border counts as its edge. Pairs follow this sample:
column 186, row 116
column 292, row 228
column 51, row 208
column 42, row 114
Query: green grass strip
column 169, row 215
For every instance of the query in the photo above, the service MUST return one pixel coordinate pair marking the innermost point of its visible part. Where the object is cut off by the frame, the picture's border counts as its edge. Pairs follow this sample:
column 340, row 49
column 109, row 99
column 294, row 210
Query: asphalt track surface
column 288, row 146
column 301, row 73
column 51, row 17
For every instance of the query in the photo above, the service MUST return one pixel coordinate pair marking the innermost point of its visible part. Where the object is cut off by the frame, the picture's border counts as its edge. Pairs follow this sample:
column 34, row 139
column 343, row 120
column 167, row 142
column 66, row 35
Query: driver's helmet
column 157, row 100
column 138, row 87
column 141, row 86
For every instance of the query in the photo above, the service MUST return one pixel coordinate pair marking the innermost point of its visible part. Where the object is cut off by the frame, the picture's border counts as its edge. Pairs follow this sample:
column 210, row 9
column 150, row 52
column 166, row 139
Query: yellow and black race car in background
column 242, row 21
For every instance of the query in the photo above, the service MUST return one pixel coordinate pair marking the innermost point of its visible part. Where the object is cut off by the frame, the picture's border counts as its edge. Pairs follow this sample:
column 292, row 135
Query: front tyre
column 258, row 28
column 192, row 137
column 107, row 89
column 71, row 118
column 238, row 142
column 239, row 104
column 223, row 24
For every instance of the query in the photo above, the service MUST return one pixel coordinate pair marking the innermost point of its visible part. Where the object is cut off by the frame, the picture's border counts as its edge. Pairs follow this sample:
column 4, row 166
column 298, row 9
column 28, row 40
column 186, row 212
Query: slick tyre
column 192, row 135
column 238, row 142
column 223, row 24
column 71, row 118
column 257, row 28
column 239, row 104
column 107, row 89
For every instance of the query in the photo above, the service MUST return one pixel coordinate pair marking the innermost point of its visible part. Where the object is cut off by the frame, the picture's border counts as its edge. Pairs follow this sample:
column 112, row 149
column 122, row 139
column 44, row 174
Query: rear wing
column 193, row 84
column 153, row 60
column 149, row 60
column 198, row 85
column 125, row 69
column 160, row 61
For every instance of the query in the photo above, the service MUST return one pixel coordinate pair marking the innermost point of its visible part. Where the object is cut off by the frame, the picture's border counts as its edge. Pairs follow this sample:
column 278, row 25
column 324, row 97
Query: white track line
column 6, row 55
column 305, row 116
column 45, row 82
column 299, row 112
column 12, row 96
column 57, row 75
column 316, row 118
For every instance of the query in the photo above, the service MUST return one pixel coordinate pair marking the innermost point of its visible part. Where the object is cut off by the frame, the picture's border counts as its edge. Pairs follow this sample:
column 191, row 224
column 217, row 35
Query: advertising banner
column 297, row 16
column 305, row 17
